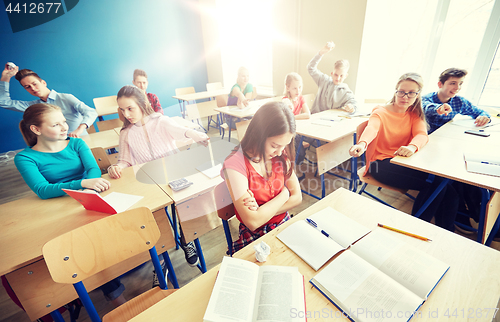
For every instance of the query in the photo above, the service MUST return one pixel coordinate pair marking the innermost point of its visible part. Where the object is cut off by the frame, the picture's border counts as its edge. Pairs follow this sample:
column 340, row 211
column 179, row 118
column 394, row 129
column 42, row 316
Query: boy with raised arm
column 442, row 106
column 78, row 115
column 332, row 91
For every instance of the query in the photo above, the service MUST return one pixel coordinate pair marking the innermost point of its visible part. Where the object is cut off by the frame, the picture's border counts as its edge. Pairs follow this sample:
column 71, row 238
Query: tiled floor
column 213, row 243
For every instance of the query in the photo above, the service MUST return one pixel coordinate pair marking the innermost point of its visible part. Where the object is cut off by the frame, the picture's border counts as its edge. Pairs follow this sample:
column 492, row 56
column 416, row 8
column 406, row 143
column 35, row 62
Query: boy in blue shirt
column 442, row 106
column 78, row 115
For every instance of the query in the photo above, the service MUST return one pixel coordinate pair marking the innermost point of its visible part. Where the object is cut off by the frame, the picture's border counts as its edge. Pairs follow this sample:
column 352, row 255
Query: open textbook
column 247, row 292
column 113, row 203
column 483, row 163
column 313, row 246
column 380, row 278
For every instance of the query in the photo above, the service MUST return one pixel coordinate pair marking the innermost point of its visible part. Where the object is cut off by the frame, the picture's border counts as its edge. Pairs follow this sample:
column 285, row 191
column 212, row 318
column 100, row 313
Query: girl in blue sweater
column 53, row 161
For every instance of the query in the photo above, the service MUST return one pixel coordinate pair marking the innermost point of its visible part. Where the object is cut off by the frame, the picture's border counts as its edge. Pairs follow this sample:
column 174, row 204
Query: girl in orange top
column 399, row 128
column 259, row 173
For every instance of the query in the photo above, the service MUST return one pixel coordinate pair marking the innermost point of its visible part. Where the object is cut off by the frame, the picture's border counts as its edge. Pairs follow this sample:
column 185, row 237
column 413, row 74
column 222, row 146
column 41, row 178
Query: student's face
column 34, row 86
column 53, row 127
column 276, row 144
column 295, row 88
column 141, row 82
column 130, row 110
column 406, row 86
column 339, row 75
column 243, row 77
column 451, row 87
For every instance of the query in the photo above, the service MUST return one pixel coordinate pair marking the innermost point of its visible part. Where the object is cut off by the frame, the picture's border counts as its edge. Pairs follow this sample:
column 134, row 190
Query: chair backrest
column 184, row 90
column 225, row 211
column 109, row 124
column 309, row 99
column 101, row 158
column 106, row 125
column 223, row 201
column 220, row 99
column 87, row 250
column 200, row 110
column 241, row 128
column 214, row 86
column 105, row 105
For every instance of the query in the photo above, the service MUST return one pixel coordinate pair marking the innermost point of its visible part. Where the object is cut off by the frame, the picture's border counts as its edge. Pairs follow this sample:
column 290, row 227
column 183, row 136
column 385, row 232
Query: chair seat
column 137, row 305
column 367, row 178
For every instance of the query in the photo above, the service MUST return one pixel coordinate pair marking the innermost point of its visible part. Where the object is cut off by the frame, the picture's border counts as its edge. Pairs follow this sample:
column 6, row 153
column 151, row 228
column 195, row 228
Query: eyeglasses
column 409, row 94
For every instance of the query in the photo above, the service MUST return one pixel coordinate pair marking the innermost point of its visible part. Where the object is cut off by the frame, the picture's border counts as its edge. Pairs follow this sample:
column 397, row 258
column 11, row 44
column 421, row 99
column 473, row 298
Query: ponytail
column 33, row 116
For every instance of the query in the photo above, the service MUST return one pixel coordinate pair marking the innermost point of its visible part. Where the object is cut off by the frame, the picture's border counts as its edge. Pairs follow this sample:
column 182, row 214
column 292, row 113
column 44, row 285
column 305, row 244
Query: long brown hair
column 272, row 119
column 140, row 98
column 416, row 107
column 33, row 115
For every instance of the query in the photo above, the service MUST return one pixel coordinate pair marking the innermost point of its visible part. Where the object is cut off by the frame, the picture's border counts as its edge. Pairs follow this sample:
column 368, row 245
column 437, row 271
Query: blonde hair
column 288, row 80
column 416, row 107
column 240, row 70
column 33, row 115
column 342, row 64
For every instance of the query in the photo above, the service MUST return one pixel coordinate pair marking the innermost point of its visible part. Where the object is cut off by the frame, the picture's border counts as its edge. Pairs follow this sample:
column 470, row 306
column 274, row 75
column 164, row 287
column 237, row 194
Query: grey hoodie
column 329, row 95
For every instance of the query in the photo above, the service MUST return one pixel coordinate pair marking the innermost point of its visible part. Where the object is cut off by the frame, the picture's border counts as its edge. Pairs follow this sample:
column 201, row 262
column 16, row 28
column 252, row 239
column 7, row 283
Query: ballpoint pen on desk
column 405, row 233
column 315, row 225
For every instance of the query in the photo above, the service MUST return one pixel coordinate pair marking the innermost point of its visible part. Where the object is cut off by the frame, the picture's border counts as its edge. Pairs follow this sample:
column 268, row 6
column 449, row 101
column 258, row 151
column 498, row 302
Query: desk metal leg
column 298, row 150
column 157, row 266
column 87, row 303
column 180, row 107
column 171, row 273
column 230, row 128
column 173, row 223
column 322, row 186
column 485, row 196
column 432, row 197
column 202, row 265
column 353, row 184
column 57, row 316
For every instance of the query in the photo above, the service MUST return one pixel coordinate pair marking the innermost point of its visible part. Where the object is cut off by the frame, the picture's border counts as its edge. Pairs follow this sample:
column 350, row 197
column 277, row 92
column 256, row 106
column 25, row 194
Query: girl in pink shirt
column 148, row 136
column 399, row 128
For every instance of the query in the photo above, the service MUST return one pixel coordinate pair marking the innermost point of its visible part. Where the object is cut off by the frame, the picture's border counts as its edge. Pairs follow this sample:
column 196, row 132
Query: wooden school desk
column 104, row 139
column 339, row 137
column 198, row 96
column 472, row 281
column 443, row 156
column 190, row 204
column 27, row 224
column 234, row 112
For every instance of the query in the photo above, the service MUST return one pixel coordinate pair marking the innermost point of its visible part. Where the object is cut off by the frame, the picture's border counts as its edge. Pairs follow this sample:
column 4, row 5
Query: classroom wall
column 92, row 50
column 301, row 28
column 211, row 41
column 304, row 27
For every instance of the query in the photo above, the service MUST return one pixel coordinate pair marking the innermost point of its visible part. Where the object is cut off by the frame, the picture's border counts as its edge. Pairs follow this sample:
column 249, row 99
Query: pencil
column 405, row 233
